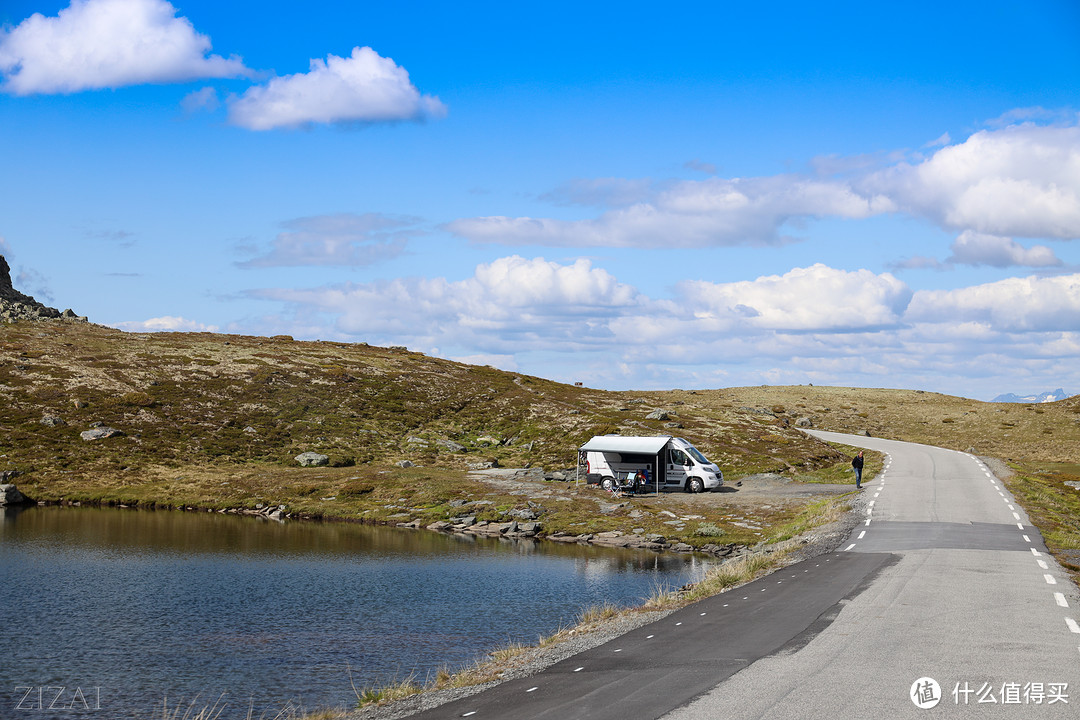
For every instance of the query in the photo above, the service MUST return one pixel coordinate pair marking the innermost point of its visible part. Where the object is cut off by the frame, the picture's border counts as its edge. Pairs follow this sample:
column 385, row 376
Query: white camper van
column 649, row 463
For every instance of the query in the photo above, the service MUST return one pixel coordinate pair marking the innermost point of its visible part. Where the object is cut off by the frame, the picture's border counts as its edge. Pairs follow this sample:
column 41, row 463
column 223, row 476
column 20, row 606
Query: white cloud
column 343, row 239
column 817, row 298
column 712, row 212
column 816, row 324
column 972, row 248
column 1017, row 181
column 1020, row 181
column 96, row 44
column 166, row 323
column 1017, row 305
column 509, row 303
column 363, row 87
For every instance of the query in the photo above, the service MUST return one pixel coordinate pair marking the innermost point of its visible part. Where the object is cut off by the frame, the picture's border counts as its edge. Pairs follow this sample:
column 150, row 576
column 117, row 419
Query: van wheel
column 608, row 484
column 695, row 485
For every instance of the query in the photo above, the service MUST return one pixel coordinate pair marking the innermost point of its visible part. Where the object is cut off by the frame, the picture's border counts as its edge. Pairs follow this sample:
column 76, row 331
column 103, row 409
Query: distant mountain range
column 1049, row 396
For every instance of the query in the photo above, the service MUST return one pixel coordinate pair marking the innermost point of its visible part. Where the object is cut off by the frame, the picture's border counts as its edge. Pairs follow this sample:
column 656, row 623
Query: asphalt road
column 945, row 579
column 972, row 601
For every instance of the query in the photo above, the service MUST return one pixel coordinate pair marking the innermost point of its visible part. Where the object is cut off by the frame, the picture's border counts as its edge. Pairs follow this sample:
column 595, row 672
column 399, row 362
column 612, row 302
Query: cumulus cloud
column 166, row 323
column 817, row 298
column 96, row 44
column 815, row 324
column 1019, row 181
column 972, row 248
column 1019, row 305
column 343, row 239
column 712, row 212
column 506, row 303
column 363, row 87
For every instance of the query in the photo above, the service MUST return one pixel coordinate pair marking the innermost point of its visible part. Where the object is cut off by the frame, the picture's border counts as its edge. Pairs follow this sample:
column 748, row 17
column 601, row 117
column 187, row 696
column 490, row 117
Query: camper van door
column 677, row 464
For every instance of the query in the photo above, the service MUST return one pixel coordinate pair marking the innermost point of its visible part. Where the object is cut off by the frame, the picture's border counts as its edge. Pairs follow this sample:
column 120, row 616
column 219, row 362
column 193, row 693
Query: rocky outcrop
column 100, row 433
column 10, row 495
column 312, row 459
column 15, row 306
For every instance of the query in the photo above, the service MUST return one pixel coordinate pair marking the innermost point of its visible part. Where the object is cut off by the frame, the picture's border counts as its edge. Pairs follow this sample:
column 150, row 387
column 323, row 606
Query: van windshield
column 696, row 454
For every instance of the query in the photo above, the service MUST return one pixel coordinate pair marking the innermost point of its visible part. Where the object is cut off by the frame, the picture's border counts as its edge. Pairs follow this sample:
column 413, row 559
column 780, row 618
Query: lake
column 109, row 611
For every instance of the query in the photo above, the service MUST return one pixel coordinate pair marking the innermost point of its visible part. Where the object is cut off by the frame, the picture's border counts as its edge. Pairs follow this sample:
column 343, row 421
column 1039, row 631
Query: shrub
column 708, row 529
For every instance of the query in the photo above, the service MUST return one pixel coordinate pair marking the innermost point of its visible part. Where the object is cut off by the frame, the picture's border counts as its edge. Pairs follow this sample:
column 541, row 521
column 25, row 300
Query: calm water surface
column 123, row 608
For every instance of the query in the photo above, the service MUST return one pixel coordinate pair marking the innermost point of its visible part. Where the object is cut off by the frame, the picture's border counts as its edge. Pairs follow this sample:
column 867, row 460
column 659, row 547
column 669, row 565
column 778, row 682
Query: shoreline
column 817, row 541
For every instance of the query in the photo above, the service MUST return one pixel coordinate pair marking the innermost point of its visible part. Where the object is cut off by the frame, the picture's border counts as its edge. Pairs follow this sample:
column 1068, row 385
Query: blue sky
column 626, row 195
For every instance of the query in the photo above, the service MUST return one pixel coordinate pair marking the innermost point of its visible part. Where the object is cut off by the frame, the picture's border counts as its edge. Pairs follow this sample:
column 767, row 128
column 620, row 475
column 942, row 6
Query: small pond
column 123, row 608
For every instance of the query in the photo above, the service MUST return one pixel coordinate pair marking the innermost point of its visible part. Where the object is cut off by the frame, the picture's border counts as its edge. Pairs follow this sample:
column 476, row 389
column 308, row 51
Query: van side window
column 678, row 457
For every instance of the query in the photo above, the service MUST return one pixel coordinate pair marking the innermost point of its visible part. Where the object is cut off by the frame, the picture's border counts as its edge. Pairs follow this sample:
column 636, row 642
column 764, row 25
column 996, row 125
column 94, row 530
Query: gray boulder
column 52, row 421
column 10, row 495
column 404, row 464
column 100, row 433
column 452, row 446
column 804, row 422
column 658, row 415
column 312, row 459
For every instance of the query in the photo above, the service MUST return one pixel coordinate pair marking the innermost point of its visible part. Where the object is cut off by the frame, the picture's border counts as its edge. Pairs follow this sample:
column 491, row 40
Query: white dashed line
column 1035, row 552
column 702, row 614
column 1016, row 515
column 1043, row 565
column 1061, row 601
column 861, row 535
column 678, row 624
column 1050, row 579
column 849, row 547
column 582, row 668
column 650, row 637
column 1072, row 625
column 870, row 504
column 1020, row 525
column 532, row 689
column 471, row 712
column 1026, row 538
column 867, row 521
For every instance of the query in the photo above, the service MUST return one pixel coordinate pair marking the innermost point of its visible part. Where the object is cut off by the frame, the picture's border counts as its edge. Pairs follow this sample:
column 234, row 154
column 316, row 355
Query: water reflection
column 142, row 604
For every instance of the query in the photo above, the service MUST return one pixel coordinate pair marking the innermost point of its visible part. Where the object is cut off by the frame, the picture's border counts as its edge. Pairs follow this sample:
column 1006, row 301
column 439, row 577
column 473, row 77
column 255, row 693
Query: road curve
column 944, row 579
column 973, row 602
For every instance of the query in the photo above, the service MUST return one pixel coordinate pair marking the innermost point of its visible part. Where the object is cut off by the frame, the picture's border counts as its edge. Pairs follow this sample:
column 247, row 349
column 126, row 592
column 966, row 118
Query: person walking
column 857, row 462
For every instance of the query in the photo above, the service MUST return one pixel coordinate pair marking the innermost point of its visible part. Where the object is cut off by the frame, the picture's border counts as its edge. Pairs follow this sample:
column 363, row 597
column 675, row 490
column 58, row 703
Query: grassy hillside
column 215, row 421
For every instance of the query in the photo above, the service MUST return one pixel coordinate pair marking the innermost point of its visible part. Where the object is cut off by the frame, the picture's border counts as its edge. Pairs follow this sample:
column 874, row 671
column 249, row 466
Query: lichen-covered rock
column 312, row 459
column 100, row 433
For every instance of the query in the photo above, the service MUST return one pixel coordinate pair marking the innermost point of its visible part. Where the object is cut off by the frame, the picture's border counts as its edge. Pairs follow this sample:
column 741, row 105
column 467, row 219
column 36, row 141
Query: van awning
column 622, row 444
